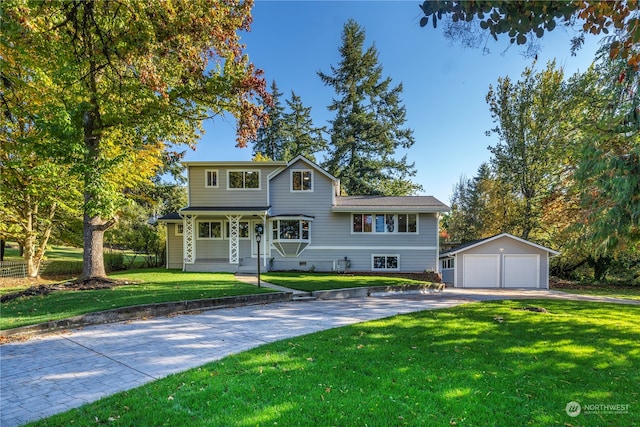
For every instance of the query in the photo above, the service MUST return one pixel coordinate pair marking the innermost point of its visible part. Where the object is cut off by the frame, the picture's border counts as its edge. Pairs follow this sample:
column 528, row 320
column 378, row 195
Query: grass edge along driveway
column 148, row 286
column 488, row 363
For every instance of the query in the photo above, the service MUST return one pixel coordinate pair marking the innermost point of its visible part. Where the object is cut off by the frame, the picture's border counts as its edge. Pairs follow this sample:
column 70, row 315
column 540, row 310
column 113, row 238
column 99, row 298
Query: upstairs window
column 301, row 180
column 242, row 180
column 211, row 178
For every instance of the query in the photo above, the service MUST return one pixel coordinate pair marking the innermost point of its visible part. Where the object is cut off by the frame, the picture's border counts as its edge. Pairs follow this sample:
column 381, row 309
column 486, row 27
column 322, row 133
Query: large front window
column 244, row 179
column 290, row 229
column 384, row 223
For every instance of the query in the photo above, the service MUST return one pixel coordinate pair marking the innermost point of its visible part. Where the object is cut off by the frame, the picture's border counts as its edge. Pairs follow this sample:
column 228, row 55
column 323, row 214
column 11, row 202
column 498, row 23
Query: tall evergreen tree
column 368, row 125
column 301, row 136
column 270, row 137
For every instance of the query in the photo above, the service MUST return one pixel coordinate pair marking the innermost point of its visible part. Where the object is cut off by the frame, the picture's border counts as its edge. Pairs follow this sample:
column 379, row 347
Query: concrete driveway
column 51, row 374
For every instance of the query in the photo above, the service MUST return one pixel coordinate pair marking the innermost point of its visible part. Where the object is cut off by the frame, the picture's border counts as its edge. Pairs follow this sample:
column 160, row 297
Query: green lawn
column 152, row 286
column 320, row 281
column 612, row 292
column 473, row 365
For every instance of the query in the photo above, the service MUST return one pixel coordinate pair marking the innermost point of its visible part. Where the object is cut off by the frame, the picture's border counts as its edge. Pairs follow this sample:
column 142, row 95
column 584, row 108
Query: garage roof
column 479, row 242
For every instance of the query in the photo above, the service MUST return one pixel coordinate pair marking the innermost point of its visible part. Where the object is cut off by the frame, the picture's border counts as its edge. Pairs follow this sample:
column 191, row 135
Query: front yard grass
column 310, row 282
column 148, row 286
column 479, row 364
column 611, row 292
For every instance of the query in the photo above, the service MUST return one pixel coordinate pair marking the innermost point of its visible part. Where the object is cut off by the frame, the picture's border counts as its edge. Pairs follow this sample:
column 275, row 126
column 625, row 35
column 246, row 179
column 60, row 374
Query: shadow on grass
column 477, row 364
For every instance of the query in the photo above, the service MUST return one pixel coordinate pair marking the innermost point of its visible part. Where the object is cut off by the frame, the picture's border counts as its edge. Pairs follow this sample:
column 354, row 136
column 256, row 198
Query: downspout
column 437, row 269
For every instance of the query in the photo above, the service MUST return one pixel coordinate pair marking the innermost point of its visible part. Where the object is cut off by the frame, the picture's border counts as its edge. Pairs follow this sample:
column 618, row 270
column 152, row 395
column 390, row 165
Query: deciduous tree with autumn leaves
column 120, row 81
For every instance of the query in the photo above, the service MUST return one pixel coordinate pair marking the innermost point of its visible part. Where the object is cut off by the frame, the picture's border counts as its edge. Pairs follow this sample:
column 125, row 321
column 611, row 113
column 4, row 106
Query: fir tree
column 270, row 137
column 368, row 125
column 301, row 137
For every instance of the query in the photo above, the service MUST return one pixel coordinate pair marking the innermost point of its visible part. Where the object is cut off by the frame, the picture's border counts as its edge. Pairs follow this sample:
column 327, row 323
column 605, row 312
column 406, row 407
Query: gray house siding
column 174, row 247
column 200, row 195
column 447, row 275
column 331, row 238
column 331, row 235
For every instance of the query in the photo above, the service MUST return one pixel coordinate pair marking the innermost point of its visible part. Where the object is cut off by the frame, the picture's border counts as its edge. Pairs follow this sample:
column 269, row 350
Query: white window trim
column 197, row 230
column 386, row 256
column 396, row 224
column 206, row 180
column 291, row 172
column 244, row 171
column 177, row 226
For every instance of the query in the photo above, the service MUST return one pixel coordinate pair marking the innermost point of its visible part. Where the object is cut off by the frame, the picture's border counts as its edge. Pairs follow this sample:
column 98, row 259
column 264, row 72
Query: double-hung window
column 211, row 178
column 244, row 180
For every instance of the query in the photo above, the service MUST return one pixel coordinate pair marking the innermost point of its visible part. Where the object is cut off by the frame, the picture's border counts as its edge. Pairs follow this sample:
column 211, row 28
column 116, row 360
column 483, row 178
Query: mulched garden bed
column 92, row 284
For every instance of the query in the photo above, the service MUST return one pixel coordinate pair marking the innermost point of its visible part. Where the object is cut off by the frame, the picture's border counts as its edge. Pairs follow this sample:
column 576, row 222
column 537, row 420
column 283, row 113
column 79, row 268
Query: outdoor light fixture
column 258, row 230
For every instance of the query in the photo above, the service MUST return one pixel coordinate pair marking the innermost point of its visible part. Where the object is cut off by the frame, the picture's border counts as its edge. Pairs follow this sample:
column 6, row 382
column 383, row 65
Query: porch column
column 234, row 238
column 189, row 240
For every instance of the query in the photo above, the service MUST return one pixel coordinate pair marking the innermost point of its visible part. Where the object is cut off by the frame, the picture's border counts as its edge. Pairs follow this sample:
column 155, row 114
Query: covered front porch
column 224, row 240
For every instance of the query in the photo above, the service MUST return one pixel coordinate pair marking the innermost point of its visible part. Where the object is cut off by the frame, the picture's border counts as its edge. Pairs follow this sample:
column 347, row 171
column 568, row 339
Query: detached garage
column 502, row 261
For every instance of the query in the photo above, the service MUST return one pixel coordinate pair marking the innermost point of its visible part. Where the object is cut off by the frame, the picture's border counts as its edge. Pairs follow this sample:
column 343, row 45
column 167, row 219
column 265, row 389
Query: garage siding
column 510, row 247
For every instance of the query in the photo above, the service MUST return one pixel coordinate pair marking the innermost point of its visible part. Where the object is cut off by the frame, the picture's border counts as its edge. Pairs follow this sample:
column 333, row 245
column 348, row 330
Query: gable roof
column 475, row 243
column 389, row 203
column 311, row 164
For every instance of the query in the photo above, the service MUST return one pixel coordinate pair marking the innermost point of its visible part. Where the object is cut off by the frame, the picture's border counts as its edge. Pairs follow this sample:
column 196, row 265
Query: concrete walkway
column 50, row 374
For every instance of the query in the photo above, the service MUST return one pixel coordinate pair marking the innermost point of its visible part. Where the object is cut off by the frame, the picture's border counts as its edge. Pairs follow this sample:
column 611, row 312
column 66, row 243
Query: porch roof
column 226, row 210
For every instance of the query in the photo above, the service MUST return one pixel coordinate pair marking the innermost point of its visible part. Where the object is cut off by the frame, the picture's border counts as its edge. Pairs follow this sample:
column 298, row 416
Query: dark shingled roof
column 428, row 203
column 173, row 216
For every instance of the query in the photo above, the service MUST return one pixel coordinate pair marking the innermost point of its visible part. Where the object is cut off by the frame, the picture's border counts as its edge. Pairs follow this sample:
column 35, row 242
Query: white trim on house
column 368, row 248
column 302, row 172
column 490, row 239
column 206, row 178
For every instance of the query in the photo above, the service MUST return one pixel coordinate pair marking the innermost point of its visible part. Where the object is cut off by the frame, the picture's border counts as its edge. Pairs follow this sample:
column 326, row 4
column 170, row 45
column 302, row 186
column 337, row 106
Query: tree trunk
column 93, row 256
column 2, row 245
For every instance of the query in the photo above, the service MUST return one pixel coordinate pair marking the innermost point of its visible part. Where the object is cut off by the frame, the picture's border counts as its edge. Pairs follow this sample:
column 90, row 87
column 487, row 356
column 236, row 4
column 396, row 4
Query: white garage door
column 480, row 271
column 521, row 271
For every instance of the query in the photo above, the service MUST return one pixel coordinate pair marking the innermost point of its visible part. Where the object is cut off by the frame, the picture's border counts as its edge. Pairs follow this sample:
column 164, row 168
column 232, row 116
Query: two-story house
column 305, row 223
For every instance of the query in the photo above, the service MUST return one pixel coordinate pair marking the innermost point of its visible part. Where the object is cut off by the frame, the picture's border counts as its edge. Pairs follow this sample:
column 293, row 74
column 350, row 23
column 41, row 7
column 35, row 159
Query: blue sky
column 444, row 85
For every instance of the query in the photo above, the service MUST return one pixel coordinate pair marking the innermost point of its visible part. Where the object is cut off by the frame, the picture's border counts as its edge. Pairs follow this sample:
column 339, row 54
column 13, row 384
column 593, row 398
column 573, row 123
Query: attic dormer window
column 301, row 180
